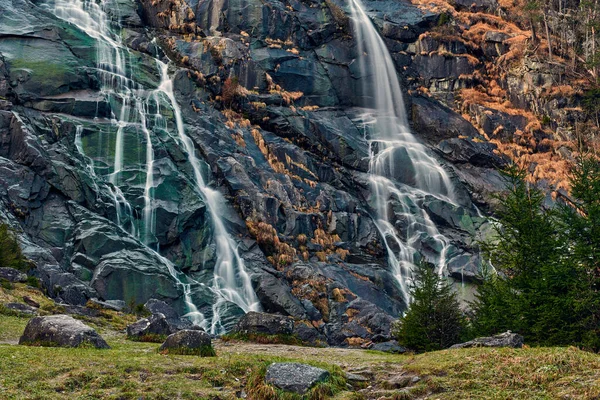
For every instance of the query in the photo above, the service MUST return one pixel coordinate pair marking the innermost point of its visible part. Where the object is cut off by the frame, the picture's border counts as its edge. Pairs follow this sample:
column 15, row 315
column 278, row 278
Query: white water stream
column 231, row 283
column 400, row 167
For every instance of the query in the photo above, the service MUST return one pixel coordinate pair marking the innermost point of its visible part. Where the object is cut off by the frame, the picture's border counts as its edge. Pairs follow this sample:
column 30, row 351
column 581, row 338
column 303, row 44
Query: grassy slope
column 134, row 370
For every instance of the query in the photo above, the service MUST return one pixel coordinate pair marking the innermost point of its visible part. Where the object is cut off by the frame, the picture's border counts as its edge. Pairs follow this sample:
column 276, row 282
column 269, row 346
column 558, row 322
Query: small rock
column 12, row 275
column 188, row 341
column 355, row 377
column 398, row 382
column 506, row 339
column 60, row 331
column 269, row 324
column 390, row 346
column 31, row 302
column 295, row 377
column 22, row 308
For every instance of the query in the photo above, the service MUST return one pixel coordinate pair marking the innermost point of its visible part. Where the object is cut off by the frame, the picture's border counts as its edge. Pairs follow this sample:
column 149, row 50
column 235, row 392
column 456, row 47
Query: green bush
column 10, row 252
column 434, row 319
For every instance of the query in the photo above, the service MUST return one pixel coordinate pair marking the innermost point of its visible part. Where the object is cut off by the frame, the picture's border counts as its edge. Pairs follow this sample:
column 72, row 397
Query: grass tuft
column 263, row 338
column 203, row 351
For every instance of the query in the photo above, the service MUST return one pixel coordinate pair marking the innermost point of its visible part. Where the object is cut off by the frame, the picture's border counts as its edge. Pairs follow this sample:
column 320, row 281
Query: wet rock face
column 60, row 331
column 286, row 147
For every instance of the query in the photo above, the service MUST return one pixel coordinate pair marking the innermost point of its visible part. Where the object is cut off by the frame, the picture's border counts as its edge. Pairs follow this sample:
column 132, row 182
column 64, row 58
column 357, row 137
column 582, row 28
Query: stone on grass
column 506, row 339
column 31, row 302
column 21, row 308
column 188, row 342
column 12, row 275
column 60, row 331
column 295, row 377
column 263, row 323
column 390, row 346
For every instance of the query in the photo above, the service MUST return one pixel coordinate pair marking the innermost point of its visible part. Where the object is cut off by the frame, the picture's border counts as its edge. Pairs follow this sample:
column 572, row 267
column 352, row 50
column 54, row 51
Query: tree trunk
column 548, row 37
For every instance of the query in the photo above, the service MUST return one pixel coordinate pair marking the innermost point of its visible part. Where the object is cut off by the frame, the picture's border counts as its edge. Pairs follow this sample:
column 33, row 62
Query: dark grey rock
column 187, row 340
column 434, row 122
column 309, row 334
column 356, row 377
column 12, row 275
column 60, row 331
column 21, row 308
column 476, row 5
column 156, row 324
column 506, row 339
column 295, row 377
column 269, row 324
column 390, row 346
column 160, row 307
column 275, row 296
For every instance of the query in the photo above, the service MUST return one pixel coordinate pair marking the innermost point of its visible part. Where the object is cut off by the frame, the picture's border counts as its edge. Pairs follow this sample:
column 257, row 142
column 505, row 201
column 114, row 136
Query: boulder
column 506, row 339
column 12, row 275
column 295, row 377
column 177, row 323
column 156, row 324
column 390, row 346
column 60, row 331
column 187, row 341
column 269, row 324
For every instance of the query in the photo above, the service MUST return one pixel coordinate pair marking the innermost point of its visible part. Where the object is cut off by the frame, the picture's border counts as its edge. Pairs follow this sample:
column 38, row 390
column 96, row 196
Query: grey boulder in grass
column 506, row 339
column 61, row 331
column 190, row 342
column 295, row 377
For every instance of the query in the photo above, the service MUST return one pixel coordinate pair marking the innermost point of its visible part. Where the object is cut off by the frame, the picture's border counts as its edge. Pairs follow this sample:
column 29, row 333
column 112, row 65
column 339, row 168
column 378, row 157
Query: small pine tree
column 493, row 310
column 434, row 319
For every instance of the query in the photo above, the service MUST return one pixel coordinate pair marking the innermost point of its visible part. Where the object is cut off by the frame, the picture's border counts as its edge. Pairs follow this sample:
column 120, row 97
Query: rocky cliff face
column 268, row 94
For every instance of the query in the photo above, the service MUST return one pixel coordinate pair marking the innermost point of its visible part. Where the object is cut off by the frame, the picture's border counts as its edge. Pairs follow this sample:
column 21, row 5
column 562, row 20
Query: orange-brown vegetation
column 279, row 253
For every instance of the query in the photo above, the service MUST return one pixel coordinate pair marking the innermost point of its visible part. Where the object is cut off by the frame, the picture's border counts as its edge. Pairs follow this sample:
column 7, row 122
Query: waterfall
column 231, row 282
column 400, row 167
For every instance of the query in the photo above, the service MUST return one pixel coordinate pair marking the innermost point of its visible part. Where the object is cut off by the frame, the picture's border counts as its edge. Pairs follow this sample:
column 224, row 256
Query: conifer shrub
column 434, row 319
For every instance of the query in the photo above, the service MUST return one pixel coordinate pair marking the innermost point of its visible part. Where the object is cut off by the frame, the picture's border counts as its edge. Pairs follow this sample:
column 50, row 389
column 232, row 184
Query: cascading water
column 400, row 167
column 231, row 282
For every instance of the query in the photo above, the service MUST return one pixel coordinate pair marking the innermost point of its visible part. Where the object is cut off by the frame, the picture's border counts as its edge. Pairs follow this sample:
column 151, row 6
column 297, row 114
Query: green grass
column 132, row 370
column 11, row 327
column 203, row 351
column 263, row 338
column 535, row 373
